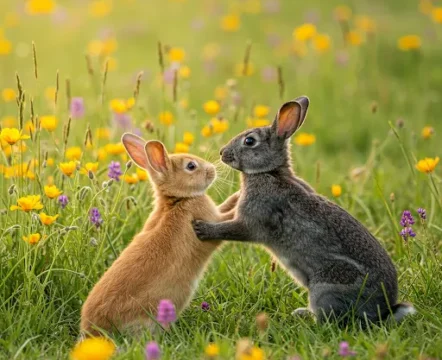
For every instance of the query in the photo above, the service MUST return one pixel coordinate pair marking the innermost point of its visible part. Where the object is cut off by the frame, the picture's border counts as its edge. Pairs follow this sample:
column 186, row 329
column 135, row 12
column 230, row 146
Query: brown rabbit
column 166, row 259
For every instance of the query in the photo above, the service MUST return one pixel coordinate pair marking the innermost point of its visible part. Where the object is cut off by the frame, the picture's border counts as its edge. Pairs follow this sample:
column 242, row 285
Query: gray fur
column 327, row 250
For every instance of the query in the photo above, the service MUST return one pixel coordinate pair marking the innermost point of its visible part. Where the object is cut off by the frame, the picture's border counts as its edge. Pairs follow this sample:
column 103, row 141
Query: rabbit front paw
column 202, row 230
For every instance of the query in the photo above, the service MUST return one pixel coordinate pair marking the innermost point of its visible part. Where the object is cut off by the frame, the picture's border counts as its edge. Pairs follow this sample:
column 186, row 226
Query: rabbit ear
column 290, row 117
column 157, row 156
column 134, row 146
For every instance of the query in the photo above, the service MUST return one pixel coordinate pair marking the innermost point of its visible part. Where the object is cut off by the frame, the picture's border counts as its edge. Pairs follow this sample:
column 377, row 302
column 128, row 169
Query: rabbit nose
column 222, row 150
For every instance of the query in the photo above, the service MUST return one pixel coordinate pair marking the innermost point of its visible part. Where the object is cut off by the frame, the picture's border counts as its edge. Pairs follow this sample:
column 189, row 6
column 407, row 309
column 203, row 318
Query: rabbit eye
column 249, row 141
column 191, row 166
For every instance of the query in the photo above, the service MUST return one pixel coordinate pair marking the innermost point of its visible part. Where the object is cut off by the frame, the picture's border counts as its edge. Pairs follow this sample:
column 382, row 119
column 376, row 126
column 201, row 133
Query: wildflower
column 11, row 136
column 365, row 23
column 261, row 111
column 304, row 32
column 262, row 322
column 252, row 353
column 141, row 174
column 9, row 122
column 184, row 72
column 344, row 350
column 100, row 8
column 95, row 217
column 47, row 219
column 206, row 131
column 102, row 133
column 436, row 14
column 177, row 54
column 321, row 43
column 90, row 166
column 131, row 178
column 28, row 203
column 153, row 351
column 212, row 107
column 52, row 192
column 8, row 95
column 114, row 170
column 336, row 190
column 114, row 149
column 304, row 139
column 212, row 350
column 32, row 238
column 74, row 153
column 181, row 148
column 188, row 138
column 353, row 38
column 427, row 165
column 230, row 23
column 241, row 69
column 422, row 214
column 5, row 46
column 166, row 313
column 257, row 122
column 96, row 348
column 427, row 132
column 205, row 306
column 166, row 118
column 219, row 126
column 409, row 42
column 50, row 93
column 120, row 106
column 63, row 201
column 123, row 121
column 36, row 7
column 269, row 74
column 406, row 222
column 48, row 122
column 342, row 13
column 68, row 168
column 77, row 107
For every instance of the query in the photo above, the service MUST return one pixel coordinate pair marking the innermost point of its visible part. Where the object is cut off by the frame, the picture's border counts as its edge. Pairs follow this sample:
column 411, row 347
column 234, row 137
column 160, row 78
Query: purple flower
column 169, row 76
column 205, row 306
column 63, row 201
column 166, row 313
column 153, row 351
column 269, row 74
column 95, row 217
column 197, row 24
column 407, row 219
column 123, row 121
column 77, row 107
column 407, row 232
column 344, row 349
column 422, row 213
column 342, row 58
column 114, row 170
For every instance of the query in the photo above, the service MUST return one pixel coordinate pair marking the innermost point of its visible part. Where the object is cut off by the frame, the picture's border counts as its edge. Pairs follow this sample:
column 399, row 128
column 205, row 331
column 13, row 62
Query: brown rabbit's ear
column 134, row 146
column 290, row 117
column 157, row 156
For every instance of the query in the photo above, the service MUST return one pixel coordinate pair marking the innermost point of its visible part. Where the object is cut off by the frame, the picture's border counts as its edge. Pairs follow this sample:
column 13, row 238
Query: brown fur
column 166, row 259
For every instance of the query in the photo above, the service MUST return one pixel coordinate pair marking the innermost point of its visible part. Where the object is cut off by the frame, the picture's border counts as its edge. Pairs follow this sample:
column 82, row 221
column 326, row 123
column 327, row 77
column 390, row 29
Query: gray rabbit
column 344, row 267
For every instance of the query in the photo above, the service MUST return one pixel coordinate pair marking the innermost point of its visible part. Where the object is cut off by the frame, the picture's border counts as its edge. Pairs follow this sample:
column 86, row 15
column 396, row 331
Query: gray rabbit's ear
column 290, row 117
column 134, row 146
column 157, row 156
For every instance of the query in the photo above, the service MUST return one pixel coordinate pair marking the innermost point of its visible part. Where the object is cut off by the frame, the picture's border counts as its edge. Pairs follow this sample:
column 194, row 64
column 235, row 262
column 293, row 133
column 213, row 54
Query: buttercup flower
column 261, row 111
column 74, row 153
column 51, row 191
column 11, row 136
column 90, row 166
column 100, row 8
column 304, row 139
column 436, row 14
column 32, row 238
column 336, row 190
column 166, row 313
column 141, row 174
column 166, row 118
column 212, row 107
column 427, row 165
column 353, row 38
column 28, row 203
column 47, row 219
column 177, row 54
column 427, row 132
column 8, row 94
column 321, row 43
column 96, row 348
column 188, row 138
column 114, row 170
column 304, row 32
column 181, row 148
column 131, row 178
column 230, row 23
column 48, row 122
column 342, row 13
column 68, row 168
column 212, row 350
column 153, row 351
column 37, row 7
column 409, row 42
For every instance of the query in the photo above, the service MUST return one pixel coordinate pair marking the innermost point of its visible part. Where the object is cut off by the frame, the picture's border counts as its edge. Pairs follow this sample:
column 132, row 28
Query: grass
column 367, row 115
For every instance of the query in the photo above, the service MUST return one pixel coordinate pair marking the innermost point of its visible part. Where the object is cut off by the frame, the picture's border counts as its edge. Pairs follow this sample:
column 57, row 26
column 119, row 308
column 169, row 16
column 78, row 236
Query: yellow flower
column 29, row 126
column 261, row 111
column 35, row 7
column 9, row 122
column 96, row 348
column 305, row 139
column 211, row 51
column 188, row 138
column 427, row 165
column 101, row 154
column 230, row 23
column 28, row 203
column 131, row 178
column 90, row 166
column 32, row 238
column 353, row 38
column 212, row 350
column 221, row 92
column 11, row 136
column 184, row 103
column 68, row 168
column 50, row 93
column 365, row 23
column 74, row 153
column 427, row 132
column 11, row 20
column 321, row 43
column 115, row 149
column 252, row 123
column 100, row 8
column 5, row 46
column 141, row 174
column 181, row 148
column 166, row 118
column 51, row 191
column 50, row 162
column 184, row 72
column 212, row 107
column 8, row 94
column 130, row 103
column 409, row 42
column 177, row 54
column 436, row 14
column 103, row 133
column 255, row 353
column 47, row 219
column 426, row 6
column 304, row 32
column 239, row 69
column 342, row 13
column 118, row 106
column 206, row 131
column 219, row 126
column 336, row 190
column 112, row 64
column 48, row 122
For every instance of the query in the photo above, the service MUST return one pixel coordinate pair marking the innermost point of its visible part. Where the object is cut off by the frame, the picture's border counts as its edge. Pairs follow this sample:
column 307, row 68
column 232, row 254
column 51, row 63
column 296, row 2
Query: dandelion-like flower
column 114, row 170
column 63, row 201
column 97, row 348
column 153, row 351
column 212, row 350
column 28, row 203
column 344, row 350
column 95, row 217
column 166, row 313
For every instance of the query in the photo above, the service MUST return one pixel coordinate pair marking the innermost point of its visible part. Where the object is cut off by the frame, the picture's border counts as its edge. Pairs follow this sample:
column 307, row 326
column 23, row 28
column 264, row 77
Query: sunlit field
column 76, row 75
